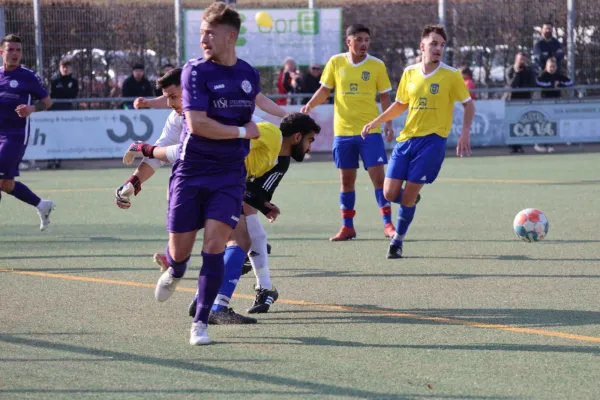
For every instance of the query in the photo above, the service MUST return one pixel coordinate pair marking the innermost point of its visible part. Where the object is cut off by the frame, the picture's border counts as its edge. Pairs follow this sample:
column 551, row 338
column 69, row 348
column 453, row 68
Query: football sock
column 405, row 217
column 25, row 194
column 233, row 262
column 384, row 206
column 259, row 257
column 209, row 282
column 177, row 267
column 347, row 201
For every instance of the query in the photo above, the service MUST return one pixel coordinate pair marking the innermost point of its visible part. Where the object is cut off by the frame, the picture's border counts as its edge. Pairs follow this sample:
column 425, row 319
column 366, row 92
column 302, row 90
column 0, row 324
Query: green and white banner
column 305, row 35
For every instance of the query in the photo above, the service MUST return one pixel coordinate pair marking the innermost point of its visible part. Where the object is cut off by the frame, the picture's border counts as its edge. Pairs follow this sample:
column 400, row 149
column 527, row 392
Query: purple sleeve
column 257, row 77
column 194, row 95
column 37, row 88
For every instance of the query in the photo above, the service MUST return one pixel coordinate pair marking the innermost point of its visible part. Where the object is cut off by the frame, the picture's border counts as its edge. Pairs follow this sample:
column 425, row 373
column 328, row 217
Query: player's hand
column 463, row 147
column 366, row 129
column 140, row 103
column 273, row 213
column 305, row 109
column 130, row 188
column 389, row 131
column 137, row 150
column 252, row 131
column 24, row 110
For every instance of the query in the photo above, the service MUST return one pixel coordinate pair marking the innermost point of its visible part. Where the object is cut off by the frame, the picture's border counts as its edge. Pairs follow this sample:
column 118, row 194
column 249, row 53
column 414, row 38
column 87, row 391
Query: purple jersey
column 19, row 86
column 227, row 95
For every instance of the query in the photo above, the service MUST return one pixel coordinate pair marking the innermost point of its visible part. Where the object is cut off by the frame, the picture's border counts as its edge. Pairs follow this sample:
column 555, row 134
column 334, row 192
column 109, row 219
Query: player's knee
column 390, row 193
column 241, row 239
column 8, row 185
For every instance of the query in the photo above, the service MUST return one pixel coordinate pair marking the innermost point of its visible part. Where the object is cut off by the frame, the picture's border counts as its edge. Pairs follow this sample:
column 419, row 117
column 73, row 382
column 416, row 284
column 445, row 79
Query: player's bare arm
column 269, row 106
column 200, row 124
column 157, row 102
column 386, row 100
column 25, row 111
column 319, row 97
column 463, row 147
column 393, row 111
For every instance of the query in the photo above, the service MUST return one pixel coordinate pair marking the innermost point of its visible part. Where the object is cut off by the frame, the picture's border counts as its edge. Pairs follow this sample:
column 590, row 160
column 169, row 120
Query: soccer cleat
column 137, row 150
column 395, row 251
column 44, row 209
column 418, row 199
column 264, row 299
column 161, row 261
column 199, row 334
column 165, row 286
column 229, row 317
column 192, row 306
column 388, row 230
column 344, row 234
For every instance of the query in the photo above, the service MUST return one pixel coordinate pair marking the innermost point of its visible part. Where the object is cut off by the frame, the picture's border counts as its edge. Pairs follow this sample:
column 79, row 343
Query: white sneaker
column 550, row 149
column 165, row 286
column 199, row 334
column 44, row 209
column 540, row 149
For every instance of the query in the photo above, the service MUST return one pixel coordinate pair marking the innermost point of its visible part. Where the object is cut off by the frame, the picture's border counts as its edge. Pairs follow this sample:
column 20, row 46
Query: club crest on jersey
column 354, row 87
column 366, row 75
column 13, row 84
column 246, row 86
column 434, row 88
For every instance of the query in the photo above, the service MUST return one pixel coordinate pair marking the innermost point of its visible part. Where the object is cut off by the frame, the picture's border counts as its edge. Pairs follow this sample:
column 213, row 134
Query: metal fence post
column 442, row 19
column 571, row 37
column 38, row 37
column 178, row 33
column 313, row 52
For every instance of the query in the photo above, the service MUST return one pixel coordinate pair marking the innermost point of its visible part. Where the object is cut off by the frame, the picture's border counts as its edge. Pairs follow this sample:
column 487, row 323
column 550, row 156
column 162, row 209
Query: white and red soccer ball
column 531, row 225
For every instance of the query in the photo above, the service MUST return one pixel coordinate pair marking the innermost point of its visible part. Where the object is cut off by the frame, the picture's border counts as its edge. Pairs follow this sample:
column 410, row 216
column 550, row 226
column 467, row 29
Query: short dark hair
column 222, row 14
column 548, row 23
column 66, row 62
column 173, row 77
column 11, row 38
column 357, row 28
column 298, row 122
column 138, row 66
column 434, row 28
column 465, row 70
column 167, row 66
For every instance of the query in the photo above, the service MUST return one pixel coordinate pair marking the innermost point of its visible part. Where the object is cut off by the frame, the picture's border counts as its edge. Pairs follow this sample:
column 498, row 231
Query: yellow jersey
column 430, row 100
column 356, row 86
column 264, row 151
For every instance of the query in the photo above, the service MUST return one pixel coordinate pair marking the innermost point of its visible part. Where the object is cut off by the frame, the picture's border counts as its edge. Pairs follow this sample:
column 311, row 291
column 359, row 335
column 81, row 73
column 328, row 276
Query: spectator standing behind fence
column 467, row 75
column 63, row 86
column 310, row 82
column 287, row 81
column 136, row 85
column 551, row 78
column 548, row 46
column 518, row 76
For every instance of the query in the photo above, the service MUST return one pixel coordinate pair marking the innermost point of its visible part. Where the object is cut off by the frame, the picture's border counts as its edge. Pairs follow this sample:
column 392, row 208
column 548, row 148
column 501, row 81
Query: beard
column 298, row 152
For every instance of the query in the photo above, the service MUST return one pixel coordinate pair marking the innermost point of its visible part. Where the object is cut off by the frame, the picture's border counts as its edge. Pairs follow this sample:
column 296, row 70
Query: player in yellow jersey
column 428, row 90
column 357, row 78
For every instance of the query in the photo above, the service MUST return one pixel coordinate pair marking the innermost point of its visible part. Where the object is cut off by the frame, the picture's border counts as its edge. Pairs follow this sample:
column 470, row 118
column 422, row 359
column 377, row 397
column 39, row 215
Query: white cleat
column 199, row 334
column 165, row 286
column 161, row 261
column 44, row 209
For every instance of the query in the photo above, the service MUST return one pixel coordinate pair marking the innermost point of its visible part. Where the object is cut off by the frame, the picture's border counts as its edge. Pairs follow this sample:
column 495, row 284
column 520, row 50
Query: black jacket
column 133, row 88
column 63, row 87
column 544, row 49
column 546, row 80
column 521, row 79
column 308, row 84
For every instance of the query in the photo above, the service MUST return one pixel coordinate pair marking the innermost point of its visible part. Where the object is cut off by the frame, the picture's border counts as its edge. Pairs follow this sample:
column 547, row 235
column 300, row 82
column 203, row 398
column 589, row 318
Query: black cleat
column 418, row 199
column 248, row 265
column 395, row 251
column 192, row 307
column 264, row 299
column 229, row 317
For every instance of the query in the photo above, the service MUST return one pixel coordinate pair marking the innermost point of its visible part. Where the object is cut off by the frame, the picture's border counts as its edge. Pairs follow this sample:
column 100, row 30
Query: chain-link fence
column 104, row 38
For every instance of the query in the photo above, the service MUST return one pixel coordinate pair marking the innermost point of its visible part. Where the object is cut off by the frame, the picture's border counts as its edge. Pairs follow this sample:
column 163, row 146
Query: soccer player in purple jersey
column 18, row 88
column 207, row 184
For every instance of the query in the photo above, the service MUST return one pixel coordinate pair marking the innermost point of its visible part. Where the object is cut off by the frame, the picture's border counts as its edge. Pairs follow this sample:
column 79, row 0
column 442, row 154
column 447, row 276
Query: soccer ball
column 531, row 225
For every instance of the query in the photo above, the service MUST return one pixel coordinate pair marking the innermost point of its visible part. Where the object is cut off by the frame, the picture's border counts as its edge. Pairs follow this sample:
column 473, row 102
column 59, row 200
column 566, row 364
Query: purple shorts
column 193, row 200
column 11, row 154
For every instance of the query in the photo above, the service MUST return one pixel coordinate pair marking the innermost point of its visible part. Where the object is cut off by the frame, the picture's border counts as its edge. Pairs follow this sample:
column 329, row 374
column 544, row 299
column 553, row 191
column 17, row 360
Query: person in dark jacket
column 520, row 75
column 136, row 85
column 310, row 82
column 548, row 46
column 551, row 78
column 63, row 86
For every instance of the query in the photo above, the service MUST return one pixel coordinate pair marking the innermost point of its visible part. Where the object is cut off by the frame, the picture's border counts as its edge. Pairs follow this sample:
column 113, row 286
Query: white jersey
column 170, row 138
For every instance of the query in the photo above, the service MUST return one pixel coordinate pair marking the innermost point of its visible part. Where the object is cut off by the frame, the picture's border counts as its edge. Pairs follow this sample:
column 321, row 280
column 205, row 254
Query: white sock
column 259, row 257
column 222, row 300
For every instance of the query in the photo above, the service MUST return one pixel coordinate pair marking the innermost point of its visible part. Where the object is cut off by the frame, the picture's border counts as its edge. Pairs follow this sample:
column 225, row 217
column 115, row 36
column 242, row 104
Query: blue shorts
column 12, row 151
column 346, row 150
column 418, row 159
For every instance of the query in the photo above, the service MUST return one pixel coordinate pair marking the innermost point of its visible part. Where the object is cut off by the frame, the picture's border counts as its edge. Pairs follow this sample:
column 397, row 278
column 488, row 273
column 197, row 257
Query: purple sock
column 178, row 267
column 25, row 194
column 209, row 283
